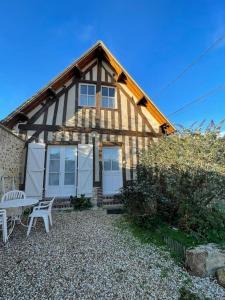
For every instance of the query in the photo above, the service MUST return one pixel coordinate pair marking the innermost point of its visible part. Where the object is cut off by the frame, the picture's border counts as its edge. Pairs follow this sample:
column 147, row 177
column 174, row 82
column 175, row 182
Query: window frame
column 115, row 97
column 79, row 94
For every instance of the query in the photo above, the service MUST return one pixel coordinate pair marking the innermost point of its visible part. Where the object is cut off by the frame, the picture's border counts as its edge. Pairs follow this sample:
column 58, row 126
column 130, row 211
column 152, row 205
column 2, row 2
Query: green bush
column 185, row 294
column 138, row 202
column 80, row 203
column 183, row 176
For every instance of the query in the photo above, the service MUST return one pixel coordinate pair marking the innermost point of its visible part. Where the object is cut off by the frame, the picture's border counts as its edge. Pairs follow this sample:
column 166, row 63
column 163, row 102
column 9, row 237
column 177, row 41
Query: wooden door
column 85, row 170
column 35, row 170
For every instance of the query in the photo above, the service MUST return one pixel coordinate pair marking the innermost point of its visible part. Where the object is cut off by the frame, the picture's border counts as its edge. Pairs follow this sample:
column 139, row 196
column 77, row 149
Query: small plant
column 80, row 203
column 185, row 294
column 164, row 273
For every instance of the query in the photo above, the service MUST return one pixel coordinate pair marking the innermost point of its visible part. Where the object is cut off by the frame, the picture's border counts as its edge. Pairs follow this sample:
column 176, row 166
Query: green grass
column 178, row 235
column 155, row 233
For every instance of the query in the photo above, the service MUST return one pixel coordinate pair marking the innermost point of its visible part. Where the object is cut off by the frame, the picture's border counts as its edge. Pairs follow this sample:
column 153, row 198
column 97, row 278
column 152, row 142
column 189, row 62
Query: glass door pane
column 111, row 159
column 69, row 174
column 54, row 166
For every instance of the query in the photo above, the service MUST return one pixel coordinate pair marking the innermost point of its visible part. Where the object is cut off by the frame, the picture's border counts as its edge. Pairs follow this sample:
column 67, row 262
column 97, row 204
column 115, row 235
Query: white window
column 87, row 94
column 108, row 97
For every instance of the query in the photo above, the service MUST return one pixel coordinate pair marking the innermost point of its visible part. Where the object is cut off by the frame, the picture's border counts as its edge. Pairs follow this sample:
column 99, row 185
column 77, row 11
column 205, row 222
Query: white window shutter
column 35, row 170
column 85, row 170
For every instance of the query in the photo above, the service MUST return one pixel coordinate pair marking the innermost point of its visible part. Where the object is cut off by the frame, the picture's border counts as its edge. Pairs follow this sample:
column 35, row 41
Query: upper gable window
column 108, row 97
column 87, row 95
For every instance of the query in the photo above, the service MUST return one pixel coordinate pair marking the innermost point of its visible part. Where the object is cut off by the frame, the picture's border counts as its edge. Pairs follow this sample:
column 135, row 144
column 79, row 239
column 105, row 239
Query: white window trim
column 115, row 98
column 87, row 84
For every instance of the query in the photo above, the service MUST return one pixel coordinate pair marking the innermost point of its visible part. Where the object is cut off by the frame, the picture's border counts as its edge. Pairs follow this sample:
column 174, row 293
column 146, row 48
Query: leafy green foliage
column 183, row 178
column 137, row 202
column 185, row 294
column 81, row 203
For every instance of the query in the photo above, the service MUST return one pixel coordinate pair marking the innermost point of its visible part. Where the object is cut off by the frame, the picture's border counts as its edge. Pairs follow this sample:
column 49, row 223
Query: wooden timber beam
column 143, row 102
column 34, row 136
column 100, row 53
column 52, row 92
column 122, row 78
column 21, row 117
column 43, row 127
column 77, row 72
column 48, row 103
column 164, row 128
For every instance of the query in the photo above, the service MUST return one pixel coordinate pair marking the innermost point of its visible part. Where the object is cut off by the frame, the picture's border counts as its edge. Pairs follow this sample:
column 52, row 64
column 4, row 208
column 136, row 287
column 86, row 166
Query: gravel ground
column 86, row 257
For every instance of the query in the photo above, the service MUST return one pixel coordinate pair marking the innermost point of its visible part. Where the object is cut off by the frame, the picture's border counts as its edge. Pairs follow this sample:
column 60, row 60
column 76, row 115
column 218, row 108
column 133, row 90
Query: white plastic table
column 15, row 204
column 18, row 203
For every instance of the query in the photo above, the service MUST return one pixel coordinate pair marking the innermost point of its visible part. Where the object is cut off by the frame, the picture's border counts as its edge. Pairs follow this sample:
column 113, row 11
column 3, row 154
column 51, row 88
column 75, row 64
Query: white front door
column 112, row 170
column 61, row 171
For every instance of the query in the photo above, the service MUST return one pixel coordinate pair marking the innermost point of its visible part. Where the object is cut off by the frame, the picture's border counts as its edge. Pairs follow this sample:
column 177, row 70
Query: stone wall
column 11, row 159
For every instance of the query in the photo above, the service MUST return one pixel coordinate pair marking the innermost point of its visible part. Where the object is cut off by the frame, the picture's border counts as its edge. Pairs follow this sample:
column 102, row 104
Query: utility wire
column 195, row 61
column 199, row 99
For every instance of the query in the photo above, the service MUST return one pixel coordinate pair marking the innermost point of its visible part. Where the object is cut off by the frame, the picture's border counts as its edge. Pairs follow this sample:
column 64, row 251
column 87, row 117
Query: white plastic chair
column 44, row 211
column 14, row 213
column 11, row 195
column 3, row 223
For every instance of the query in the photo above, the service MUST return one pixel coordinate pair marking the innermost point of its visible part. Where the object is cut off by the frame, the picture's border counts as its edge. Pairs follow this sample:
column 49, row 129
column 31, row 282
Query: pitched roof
column 122, row 75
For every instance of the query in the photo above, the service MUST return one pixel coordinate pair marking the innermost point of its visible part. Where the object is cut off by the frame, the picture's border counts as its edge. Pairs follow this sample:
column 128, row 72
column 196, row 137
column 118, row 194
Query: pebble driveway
column 85, row 256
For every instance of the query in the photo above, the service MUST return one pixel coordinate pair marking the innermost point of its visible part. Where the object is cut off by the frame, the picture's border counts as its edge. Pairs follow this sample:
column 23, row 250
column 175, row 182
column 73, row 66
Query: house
column 85, row 129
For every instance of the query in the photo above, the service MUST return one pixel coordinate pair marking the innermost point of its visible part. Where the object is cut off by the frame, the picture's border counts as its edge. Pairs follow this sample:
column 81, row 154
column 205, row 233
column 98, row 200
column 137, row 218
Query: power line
column 199, row 99
column 196, row 60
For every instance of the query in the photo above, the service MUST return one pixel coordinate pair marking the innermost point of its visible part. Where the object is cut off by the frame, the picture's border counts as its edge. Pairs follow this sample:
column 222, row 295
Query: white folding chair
column 44, row 211
column 3, row 223
column 14, row 213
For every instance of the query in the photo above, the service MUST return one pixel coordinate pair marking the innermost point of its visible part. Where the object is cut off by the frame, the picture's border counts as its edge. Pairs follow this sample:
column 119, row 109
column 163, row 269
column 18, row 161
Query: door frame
column 61, row 186
column 120, row 171
column 46, row 168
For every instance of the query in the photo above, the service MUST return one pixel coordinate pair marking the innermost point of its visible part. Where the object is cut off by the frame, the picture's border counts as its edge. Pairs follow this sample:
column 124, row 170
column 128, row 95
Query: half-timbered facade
column 85, row 130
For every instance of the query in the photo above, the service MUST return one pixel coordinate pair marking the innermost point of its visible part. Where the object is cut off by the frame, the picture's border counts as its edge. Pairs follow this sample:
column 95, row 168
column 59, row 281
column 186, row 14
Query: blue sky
column 154, row 40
